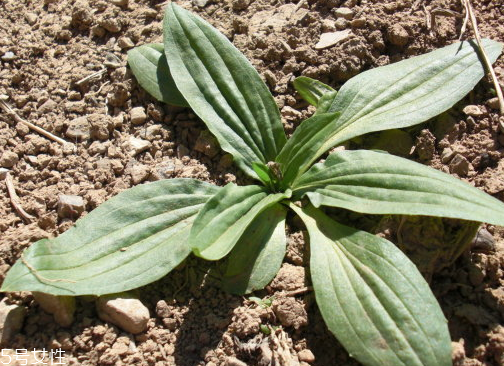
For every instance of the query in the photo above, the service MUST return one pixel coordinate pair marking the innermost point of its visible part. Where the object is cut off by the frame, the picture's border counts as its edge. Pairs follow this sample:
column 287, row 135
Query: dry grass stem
column 97, row 74
column 36, row 128
column 498, row 90
column 15, row 200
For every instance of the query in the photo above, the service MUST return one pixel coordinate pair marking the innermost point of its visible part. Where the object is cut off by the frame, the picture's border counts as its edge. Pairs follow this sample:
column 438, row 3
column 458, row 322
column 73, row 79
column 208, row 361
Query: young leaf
column 226, row 216
column 148, row 63
column 223, row 89
column 129, row 241
column 379, row 183
column 258, row 255
column 399, row 95
column 311, row 90
column 263, row 173
column 372, row 297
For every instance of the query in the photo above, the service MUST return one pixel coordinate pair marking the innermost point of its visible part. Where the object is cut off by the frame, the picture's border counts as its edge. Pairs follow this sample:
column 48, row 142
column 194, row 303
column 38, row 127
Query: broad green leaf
column 372, row 297
column 379, row 183
column 258, row 255
column 304, row 144
column 325, row 102
column 148, row 64
column 223, row 89
column 394, row 96
column 129, row 241
column 263, row 173
column 311, row 90
column 226, row 216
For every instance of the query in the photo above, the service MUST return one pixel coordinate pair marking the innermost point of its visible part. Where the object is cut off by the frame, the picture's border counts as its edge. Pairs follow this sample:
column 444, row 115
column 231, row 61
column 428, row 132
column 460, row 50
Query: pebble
column 48, row 106
column 11, row 320
column 125, row 43
column 8, row 159
column 119, row 2
column 135, row 145
column 31, row 18
column 138, row 116
column 398, row 36
column 306, row 356
column 79, row 129
column 8, row 56
column 69, row 206
column 459, row 165
column 447, row 155
column 331, row 38
column 328, row 26
column 126, row 312
column 473, row 111
column 61, row 307
column 493, row 103
column 240, row 4
column 341, row 23
column 3, row 173
column 346, row 13
column 207, row 144
column 484, row 241
column 200, row 3
column 139, row 173
column 233, row 361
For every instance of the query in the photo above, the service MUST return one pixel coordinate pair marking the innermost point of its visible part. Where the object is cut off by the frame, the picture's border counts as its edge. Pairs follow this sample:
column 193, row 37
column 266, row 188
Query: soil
column 47, row 47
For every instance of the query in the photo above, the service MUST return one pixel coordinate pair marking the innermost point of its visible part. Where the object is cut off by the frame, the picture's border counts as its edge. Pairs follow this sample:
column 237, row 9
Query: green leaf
column 372, row 297
column 263, row 173
column 148, row 64
column 303, row 145
column 311, row 90
column 399, row 95
column 129, row 241
column 226, row 216
column 379, row 183
column 223, row 89
column 258, row 255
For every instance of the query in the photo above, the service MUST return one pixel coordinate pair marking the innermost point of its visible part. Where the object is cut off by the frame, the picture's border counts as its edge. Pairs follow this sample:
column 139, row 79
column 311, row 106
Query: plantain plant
column 371, row 296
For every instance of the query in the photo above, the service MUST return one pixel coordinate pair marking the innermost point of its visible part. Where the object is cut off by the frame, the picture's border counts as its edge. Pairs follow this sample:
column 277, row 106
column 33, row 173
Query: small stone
column 162, row 309
column 3, row 173
column 447, row 155
column 306, row 355
column 61, row 307
column 328, row 25
column 48, row 106
column 182, row 151
column 125, row 43
column 200, row 3
column 69, row 206
column 341, row 23
column 397, row 35
column 135, row 145
column 153, row 132
column 31, row 18
column 473, row 111
column 122, row 3
column 8, row 56
column 164, row 170
column 344, row 13
column 459, row 165
column 233, row 361
column 483, row 242
column 290, row 312
column 331, row 38
column 139, row 173
column 138, row 116
column 8, row 159
column 78, row 129
column 358, row 23
column 111, row 24
column 126, row 312
column 11, row 320
column 207, row 144
column 240, row 4
column 493, row 103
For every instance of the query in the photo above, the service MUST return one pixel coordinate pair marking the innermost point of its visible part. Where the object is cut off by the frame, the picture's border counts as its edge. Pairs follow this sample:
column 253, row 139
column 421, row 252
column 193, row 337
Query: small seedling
column 370, row 294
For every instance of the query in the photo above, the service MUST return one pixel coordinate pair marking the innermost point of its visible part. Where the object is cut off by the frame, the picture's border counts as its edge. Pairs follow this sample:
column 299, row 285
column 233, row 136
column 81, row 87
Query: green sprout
column 371, row 296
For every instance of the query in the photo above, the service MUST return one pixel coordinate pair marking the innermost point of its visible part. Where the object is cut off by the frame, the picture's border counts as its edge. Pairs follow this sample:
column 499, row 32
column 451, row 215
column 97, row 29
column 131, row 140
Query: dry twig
column 470, row 13
column 97, row 74
column 10, row 111
column 15, row 200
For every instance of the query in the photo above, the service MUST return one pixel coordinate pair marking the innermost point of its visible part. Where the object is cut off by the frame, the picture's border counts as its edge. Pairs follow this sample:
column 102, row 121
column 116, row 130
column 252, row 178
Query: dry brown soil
column 55, row 44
